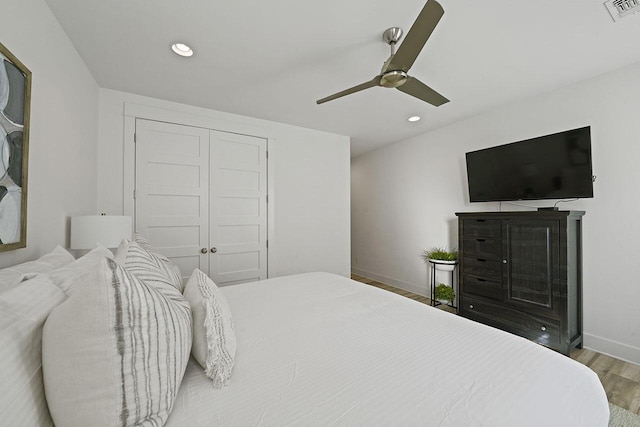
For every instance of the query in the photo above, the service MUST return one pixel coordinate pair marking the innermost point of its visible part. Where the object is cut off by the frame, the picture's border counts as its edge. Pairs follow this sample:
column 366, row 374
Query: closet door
column 172, row 191
column 238, row 208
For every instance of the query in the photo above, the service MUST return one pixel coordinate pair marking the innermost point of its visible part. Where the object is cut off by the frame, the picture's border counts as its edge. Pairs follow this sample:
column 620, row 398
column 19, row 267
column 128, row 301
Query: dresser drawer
column 482, row 248
column 482, row 286
column 482, row 228
column 487, row 268
column 541, row 330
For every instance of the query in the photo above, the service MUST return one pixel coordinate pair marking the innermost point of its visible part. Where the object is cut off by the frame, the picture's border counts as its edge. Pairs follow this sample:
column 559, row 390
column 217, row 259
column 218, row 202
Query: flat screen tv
column 556, row 166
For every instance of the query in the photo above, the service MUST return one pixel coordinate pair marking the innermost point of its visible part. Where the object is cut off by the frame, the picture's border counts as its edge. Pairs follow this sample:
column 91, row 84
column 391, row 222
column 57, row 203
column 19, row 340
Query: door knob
column 214, row 250
column 203, row 251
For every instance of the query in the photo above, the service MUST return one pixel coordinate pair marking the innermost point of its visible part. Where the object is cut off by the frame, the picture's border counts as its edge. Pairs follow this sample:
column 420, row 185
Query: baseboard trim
column 391, row 282
column 612, row 348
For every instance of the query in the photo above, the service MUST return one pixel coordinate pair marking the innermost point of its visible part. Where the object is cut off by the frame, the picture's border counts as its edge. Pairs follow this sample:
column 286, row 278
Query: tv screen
column 556, row 166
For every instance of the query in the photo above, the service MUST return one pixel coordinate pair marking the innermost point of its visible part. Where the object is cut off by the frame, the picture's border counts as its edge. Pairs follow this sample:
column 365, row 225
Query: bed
column 320, row 349
column 313, row 349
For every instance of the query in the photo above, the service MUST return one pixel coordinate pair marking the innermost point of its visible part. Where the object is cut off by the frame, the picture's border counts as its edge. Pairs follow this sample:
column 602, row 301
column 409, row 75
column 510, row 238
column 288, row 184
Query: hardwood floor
column 621, row 380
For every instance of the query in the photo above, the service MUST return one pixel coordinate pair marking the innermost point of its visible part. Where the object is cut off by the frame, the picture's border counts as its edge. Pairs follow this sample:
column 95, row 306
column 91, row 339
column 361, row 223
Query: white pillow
column 80, row 271
column 115, row 352
column 23, row 311
column 174, row 270
column 151, row 267
column 11, row 276
column 146, row 245
column 214, row 338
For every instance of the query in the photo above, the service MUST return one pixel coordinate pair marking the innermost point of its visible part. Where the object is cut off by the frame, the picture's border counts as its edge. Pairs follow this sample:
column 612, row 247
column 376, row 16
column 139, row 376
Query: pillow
column 144, row 244
column 214, row 339
column 156, row 270
column 115, row 352
column 23, row 311
column 80, row 271
column 11, row 276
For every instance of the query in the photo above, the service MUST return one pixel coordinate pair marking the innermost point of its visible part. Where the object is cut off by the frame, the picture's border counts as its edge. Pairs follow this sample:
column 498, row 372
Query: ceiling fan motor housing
column 393, row 79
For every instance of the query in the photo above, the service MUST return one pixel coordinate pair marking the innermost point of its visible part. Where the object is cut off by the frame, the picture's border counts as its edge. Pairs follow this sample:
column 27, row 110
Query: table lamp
column 89, row 231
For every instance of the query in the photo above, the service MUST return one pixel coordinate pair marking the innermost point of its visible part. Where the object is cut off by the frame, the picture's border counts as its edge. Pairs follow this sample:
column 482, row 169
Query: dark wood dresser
column 522, row 272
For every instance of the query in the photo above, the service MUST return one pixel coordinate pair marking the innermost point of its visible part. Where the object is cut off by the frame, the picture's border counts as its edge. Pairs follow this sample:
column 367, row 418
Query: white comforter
column 321, row 350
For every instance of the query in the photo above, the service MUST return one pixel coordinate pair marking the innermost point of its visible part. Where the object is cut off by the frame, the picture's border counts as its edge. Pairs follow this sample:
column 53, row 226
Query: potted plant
column 444, row 294
column 443, row 259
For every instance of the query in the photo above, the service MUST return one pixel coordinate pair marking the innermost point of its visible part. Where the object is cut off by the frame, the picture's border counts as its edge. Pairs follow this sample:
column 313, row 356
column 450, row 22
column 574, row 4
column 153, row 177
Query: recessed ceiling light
column 181, row 49
column 413, row 118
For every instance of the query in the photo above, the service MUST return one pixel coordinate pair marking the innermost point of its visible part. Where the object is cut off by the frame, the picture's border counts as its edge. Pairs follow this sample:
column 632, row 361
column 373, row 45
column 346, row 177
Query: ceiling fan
column 394, row 71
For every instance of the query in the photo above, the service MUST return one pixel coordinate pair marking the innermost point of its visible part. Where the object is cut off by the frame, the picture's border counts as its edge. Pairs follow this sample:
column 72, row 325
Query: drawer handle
column 481, row 240
column 471, row 306
column 481, row 260
column 480, row 220
column 543, row 328
column 481, row 280
column 504, row 261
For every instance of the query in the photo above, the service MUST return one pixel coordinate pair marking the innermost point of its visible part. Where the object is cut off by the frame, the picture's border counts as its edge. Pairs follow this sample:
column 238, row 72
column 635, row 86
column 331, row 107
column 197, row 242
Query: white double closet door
column 201, row 199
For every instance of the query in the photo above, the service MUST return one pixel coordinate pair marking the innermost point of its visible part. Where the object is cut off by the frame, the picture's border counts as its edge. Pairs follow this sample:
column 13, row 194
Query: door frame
column 134, row 111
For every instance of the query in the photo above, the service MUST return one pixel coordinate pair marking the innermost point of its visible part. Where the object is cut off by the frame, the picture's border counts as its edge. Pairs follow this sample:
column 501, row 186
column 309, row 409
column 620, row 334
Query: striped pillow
column 23, row 311
column 146, row 245
column 115, row 352
column 175, row 271
column 214, row 338
column 150, row 266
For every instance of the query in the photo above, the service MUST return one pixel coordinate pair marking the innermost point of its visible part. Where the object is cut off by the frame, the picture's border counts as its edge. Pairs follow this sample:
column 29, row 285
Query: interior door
column 238, row 208
column 172, row 191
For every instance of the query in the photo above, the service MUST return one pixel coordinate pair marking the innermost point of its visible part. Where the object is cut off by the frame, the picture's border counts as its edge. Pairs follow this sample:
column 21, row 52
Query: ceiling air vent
column 622, row 8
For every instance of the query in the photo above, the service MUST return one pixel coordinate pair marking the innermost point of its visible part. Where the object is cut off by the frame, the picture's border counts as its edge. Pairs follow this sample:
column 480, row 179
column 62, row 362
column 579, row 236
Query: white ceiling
column 272, row 59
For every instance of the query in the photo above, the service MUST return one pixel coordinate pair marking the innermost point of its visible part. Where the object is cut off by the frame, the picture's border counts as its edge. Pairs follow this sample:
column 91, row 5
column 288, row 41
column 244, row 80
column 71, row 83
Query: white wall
column 404, row 198
column 64, row 123
column 309, row 193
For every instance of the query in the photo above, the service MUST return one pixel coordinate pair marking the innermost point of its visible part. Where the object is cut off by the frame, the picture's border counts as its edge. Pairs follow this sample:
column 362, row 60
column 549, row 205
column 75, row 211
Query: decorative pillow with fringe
column 214, row 339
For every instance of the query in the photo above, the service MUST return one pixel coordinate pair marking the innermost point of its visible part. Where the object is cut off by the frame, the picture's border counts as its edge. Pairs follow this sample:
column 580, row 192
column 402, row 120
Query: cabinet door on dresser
column 532, row 255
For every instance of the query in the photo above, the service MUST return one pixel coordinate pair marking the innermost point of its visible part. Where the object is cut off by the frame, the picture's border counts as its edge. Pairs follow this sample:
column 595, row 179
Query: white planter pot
column 444, row 265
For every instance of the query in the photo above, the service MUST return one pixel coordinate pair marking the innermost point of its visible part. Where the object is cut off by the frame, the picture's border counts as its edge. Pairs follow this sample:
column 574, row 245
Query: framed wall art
column 15, row 98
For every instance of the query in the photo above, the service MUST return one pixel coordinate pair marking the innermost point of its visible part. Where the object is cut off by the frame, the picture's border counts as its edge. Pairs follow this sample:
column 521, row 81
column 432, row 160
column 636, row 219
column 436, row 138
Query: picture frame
column 15, row 108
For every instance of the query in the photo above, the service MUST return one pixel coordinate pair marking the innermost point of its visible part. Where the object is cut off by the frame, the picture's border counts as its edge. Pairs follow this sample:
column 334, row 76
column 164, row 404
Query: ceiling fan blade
column 373, row 82
column 415, row 87
column 417, row 36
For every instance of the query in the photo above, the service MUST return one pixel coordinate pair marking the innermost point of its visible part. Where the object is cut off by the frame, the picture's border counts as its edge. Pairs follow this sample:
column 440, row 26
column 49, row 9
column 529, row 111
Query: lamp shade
column 89, row 231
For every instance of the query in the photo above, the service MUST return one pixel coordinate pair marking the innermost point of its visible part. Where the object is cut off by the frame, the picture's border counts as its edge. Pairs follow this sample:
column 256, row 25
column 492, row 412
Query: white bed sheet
column 321, row 350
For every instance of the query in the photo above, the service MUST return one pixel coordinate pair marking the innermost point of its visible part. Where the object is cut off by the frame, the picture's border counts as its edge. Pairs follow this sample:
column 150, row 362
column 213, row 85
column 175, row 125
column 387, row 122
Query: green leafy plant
column 440, row 254
column 445, row 293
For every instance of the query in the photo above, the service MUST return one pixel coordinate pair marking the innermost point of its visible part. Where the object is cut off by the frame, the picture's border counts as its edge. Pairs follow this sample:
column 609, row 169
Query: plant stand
column 432, row 296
